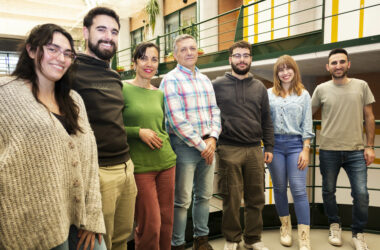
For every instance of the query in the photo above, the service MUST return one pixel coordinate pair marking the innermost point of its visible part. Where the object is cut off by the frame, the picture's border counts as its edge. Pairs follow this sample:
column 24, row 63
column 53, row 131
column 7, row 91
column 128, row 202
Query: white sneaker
column 231, row 245
column 256, row 246
column 335, row 234
column 359, row 242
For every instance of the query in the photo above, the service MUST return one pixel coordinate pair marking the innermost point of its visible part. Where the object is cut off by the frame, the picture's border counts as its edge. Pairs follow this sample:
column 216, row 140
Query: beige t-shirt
column 342, row 113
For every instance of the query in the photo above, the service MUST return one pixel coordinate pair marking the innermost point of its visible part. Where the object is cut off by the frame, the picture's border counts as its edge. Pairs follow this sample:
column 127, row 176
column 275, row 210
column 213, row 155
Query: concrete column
column 208, row 39
column 124, row 43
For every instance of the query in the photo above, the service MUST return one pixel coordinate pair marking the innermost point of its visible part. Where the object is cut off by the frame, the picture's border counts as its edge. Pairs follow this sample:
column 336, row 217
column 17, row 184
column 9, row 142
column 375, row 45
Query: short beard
column 104, row 55
column 339, row 77
column 240, row 71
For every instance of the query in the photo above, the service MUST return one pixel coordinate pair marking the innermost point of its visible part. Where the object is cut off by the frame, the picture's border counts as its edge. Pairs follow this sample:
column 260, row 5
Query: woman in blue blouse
column 292, row 119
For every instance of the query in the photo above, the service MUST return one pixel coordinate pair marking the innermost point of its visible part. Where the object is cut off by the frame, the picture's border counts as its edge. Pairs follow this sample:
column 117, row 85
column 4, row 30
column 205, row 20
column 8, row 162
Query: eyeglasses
column 238, row 56
column 54, row 50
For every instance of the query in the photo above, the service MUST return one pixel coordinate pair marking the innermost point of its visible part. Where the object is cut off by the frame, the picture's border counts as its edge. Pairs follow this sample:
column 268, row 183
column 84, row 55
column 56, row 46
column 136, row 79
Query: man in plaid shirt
column 193, row 123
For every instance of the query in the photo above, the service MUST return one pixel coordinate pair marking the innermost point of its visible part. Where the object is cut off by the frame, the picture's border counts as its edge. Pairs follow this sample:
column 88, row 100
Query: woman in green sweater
column 150, row 151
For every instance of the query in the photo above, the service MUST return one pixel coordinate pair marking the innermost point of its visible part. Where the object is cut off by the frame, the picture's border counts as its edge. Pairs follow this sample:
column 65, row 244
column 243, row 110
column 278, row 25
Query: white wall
column 349, row 23
column 282, row 22
column 208, row 39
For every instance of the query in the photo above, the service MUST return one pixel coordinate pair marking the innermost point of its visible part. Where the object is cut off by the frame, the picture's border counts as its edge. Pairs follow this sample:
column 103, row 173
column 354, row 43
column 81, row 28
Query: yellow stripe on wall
column 289, row 17
column 245, row 21
column 361, row 18
column 334, row 21
column 270, row 190
column 272, row 20
column 256, row 23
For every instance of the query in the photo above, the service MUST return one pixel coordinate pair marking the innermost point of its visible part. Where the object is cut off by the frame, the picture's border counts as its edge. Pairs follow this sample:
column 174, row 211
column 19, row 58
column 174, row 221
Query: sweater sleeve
column 266, row 123
column 93, row 200
column 132, row 132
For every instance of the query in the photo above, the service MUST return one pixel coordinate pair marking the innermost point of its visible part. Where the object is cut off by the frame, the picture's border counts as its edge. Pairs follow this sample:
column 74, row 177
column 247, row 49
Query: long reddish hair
column 296, row 85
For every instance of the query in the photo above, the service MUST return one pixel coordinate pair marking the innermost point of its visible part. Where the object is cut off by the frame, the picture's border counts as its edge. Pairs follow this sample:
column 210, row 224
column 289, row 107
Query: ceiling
column 67, row 13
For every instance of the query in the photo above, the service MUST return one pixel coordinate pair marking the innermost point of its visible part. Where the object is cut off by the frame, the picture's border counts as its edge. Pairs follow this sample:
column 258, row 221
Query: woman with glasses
column 49, row 187
column 151, row 153
column 292, row 120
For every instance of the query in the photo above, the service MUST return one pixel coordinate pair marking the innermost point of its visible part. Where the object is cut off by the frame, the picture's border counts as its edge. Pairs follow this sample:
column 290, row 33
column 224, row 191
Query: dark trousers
column 241, row 171
column 353, row 163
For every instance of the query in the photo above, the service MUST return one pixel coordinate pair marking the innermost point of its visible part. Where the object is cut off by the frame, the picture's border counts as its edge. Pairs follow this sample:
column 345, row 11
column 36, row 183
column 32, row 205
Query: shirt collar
column 185, row 70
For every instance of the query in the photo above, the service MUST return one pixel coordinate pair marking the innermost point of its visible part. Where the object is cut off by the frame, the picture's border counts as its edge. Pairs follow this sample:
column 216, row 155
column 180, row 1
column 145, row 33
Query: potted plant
column 191, row 29
column 119, row 68
column 152, row 9
column 169, row 57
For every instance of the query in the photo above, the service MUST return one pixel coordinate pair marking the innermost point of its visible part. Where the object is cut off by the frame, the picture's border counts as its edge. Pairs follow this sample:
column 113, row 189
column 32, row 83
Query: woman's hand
column 150, row 137
column 303, row 159
column 88, row 238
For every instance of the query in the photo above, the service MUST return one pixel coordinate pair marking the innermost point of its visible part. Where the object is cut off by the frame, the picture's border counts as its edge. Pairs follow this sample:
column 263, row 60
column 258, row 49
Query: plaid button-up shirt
column 190, row 106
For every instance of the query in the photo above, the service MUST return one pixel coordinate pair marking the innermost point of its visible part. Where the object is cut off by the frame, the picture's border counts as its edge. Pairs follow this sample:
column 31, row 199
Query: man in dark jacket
column 246, row 121
column 101, row 90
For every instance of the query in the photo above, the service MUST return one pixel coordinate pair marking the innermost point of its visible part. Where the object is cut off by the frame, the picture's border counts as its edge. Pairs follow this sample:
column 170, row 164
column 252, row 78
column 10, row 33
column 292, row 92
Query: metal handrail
column 159, row 38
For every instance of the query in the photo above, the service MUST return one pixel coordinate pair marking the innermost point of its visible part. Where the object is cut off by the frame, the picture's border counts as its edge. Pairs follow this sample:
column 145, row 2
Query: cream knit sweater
column 48, row 178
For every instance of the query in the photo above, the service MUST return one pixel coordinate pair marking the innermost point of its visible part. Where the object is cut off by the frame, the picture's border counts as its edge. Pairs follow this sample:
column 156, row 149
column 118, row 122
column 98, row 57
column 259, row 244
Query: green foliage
column 152, row 9
column 191, row 29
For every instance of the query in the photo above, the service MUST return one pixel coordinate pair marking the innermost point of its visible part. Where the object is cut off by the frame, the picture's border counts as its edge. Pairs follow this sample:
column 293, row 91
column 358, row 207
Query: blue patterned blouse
column 291, row 115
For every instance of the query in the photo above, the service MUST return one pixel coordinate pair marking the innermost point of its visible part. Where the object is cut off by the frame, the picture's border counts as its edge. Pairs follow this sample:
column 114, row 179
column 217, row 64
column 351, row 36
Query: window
column 137, row 36
column 8, row 61
column 174, row 21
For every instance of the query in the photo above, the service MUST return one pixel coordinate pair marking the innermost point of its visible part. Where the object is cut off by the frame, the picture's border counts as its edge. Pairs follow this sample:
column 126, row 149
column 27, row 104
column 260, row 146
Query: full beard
column 240, row 71
column 105, row 54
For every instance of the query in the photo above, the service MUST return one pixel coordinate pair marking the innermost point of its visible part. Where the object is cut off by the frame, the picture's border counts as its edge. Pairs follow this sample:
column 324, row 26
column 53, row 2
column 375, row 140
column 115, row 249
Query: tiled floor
column 318, row 241
column 318, row 237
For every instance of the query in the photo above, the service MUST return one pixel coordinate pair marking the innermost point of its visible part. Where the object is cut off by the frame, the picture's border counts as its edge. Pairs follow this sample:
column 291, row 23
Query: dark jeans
column 241, row 170
column 353, row 163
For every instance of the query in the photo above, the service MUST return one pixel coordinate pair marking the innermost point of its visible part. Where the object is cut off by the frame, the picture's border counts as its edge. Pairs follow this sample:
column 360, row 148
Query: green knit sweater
column 144, row 108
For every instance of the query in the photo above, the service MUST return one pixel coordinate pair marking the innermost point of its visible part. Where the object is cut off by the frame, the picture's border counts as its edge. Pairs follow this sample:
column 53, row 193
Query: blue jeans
column 283, row 168
column 353, row 163
column 73, row 239
column 192, row 175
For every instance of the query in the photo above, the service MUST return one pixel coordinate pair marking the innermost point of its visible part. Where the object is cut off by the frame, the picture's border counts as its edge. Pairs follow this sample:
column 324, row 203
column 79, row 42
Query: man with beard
column 341, row 144
column 246, row 121
column 101, row 90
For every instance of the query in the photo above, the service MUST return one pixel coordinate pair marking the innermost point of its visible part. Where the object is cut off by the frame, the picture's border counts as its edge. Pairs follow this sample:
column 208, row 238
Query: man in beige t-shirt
column 344, row 102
